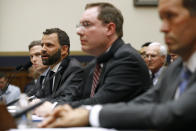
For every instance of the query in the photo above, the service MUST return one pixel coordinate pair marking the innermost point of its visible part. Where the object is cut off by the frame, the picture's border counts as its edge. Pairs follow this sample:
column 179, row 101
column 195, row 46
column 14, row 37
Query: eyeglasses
column 151, row 56
column 84, row 25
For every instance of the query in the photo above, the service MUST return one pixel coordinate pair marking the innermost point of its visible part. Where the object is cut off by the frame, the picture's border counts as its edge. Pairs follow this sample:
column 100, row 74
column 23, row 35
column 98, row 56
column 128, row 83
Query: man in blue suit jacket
column 170, row 106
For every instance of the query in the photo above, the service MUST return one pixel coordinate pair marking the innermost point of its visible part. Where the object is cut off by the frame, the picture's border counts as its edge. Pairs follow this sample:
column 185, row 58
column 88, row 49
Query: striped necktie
column 96, row 76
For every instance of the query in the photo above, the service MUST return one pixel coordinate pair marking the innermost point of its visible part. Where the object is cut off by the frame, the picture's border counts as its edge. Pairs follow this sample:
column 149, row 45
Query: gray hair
column 163, row 48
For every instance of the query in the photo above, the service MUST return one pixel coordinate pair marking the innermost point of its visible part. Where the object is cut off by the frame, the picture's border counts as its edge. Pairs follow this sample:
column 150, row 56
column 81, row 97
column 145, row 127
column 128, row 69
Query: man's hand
column 44, row 109
column 65, row 116
column 34, row 101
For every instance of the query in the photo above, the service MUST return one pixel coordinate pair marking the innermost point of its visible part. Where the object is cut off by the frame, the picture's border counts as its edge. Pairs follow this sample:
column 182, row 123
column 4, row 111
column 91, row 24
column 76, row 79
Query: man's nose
column 34, row 58
column 164, row 26
column 80, row 30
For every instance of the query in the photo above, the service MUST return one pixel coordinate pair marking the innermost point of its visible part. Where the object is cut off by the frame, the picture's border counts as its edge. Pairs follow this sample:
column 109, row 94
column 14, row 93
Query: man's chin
column 172, row 50
column 45, row 63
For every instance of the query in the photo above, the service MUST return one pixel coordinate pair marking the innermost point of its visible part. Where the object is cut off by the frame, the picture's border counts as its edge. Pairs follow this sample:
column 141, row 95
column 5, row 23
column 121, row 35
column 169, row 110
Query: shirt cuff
column 54, row 105
column 94, row 115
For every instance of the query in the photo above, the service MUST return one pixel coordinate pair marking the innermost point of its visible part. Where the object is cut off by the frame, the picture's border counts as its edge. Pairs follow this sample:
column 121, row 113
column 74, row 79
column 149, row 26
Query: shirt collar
column 55, row 68
column 45, row 72
column 191, row 63
column 159, row 72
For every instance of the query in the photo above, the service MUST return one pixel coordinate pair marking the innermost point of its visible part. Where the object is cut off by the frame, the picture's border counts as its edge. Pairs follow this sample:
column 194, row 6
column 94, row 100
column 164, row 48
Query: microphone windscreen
column 24, row 66
column 27, row 65
column 18, row 67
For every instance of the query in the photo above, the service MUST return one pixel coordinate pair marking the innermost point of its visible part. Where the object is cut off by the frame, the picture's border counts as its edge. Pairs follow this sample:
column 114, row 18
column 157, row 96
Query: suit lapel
column 60, row 74
column 192, row 80
column 175, row 83
column 172, row 91
column 106, row 57
column 173, row 80
column 90, row 78
column 46, row 86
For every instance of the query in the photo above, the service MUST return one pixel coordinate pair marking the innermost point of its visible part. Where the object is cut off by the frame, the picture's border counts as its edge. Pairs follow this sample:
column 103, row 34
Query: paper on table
column 36, row 118
column 65, row 129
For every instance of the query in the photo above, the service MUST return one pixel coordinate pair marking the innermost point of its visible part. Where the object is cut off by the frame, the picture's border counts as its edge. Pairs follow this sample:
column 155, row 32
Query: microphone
column 24, row 67
column 27, row 109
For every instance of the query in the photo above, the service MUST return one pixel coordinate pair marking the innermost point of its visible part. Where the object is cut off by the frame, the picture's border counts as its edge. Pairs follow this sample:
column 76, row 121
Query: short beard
column 53, row 58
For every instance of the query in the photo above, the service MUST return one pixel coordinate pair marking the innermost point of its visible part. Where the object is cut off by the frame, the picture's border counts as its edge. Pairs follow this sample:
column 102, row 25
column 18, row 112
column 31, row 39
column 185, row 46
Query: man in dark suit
column 37, row 68
column 64, row 75
column 123, row 74
column 156, row 54
column 171, row 106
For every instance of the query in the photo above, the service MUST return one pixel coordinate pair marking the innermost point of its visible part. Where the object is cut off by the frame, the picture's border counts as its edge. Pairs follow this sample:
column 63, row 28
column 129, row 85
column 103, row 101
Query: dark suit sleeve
column 124, row 78
column 172, row 114
column 70, row 89
column 156, row 108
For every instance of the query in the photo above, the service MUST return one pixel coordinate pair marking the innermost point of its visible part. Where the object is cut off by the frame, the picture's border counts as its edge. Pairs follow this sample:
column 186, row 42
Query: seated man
column 118, row 73
column 37, row 68
column 64, row 75
column 8, row 92
column 156, row 54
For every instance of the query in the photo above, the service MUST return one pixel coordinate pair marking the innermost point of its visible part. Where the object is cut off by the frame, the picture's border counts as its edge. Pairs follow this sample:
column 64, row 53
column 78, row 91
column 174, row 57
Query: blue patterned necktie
column 185, row 75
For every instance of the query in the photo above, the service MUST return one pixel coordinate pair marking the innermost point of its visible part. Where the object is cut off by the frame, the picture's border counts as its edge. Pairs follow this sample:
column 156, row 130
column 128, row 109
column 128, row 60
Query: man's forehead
column 153, row 50
column 169, row 4
column 90, row 13
column 36, row 47
column 49, row 37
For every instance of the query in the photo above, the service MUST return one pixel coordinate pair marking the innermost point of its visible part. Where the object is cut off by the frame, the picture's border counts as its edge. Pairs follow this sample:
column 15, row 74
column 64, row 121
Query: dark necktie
column 48, row 83
column 185, row 75
column 152, row 76
column 40, row 81
column 96, row 76
column 51, row 73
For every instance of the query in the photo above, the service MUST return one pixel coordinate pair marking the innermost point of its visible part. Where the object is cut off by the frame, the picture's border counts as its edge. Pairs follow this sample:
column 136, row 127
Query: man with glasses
column 117, row 73
column 155, row 57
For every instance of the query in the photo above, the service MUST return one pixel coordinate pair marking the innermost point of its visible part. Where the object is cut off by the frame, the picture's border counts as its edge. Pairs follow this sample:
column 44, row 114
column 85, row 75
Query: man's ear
column 64, row 50
column 111, row 28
